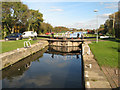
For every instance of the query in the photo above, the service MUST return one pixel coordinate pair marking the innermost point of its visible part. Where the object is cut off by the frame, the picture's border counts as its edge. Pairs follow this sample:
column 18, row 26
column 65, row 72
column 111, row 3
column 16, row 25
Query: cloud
column 53, row 7
column 67, row 0
column 56, row 10
column 111, row 5
column 90, row 24
column 28, row 82
column 101, row 3
column 39, row 80
column 84, row 25
column 104, row 15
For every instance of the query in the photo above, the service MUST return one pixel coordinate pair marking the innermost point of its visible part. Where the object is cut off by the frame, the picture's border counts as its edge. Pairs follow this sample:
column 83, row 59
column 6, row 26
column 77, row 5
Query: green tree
column 34, row 20
column 17, row 16
column 61, row 29
column 13, row 13
column 45, row 27
column 112, row 25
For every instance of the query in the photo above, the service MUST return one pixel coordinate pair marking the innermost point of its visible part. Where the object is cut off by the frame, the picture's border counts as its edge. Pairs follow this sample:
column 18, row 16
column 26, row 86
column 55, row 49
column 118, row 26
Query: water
column 74, row 35
column 49, row 68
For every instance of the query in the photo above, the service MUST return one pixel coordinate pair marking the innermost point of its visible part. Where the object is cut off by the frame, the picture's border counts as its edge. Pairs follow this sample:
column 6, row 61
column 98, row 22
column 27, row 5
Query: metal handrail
column 27, row 44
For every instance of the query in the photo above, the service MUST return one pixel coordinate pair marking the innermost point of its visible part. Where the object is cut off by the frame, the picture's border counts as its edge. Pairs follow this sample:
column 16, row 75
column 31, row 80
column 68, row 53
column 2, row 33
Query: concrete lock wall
column 14, row 56
column 68, row 43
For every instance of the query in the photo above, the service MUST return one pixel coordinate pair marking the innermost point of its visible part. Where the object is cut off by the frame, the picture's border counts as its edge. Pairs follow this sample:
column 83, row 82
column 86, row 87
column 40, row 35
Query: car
column 48, row 33
column 28, row 34
column 104, row 36
column 14, row 36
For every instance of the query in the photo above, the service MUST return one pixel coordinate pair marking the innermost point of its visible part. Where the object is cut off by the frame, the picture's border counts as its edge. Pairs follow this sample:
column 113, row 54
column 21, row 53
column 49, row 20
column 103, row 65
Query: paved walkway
column 94, row 77
column 112, row 76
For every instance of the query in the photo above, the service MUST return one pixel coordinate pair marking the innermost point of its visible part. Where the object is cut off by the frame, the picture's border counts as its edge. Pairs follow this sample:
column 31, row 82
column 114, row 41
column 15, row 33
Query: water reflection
column 56, row 68
column 19, row 68
column 64, row 51
column 68, row 52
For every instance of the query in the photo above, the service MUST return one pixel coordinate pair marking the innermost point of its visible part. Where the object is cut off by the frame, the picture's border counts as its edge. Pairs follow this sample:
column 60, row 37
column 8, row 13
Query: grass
column 12, row 45
column 49, row 35
column 89, row 35
column 106, row 53
column 41, row 38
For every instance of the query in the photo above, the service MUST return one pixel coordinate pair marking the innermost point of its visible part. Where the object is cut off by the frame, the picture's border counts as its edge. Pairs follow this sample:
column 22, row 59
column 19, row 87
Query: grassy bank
column 89, row 35
column 106, row 53
column 12, row 45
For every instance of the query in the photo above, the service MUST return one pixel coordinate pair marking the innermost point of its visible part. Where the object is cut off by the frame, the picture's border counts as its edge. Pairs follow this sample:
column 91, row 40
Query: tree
column 101, row 29
column 61, row 29
column 34, row 20
column 112, row 25
column 117, row 24
column 45, row 27
column 16, row 17
column 13, row 13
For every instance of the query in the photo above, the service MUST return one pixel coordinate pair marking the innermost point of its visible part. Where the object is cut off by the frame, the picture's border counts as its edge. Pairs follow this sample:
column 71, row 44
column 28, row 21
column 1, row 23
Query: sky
column 74, row 14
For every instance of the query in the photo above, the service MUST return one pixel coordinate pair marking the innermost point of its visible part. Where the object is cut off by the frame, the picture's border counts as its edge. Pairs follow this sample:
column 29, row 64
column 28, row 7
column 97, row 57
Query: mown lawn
column 12, row 45
column 89, row 35
column 106, row 53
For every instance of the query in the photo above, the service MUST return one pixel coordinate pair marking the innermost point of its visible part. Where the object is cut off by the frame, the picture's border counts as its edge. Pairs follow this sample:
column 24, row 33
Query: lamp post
column 113, row 23
column 113, row 20
column 97, row 24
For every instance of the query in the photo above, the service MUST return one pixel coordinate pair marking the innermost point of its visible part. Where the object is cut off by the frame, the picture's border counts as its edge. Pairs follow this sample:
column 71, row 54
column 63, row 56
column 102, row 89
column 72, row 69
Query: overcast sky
column 74, row 14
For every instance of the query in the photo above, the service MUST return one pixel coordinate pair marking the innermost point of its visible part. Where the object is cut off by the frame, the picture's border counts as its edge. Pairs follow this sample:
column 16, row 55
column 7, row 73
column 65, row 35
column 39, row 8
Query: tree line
column 17, row 18
column 111, row 25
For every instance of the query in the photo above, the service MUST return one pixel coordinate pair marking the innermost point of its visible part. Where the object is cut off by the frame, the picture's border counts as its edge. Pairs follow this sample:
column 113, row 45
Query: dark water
column 48, row 68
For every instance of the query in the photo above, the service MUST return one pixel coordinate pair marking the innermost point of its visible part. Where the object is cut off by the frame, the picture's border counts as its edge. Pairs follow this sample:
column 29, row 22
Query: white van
column 28, row 34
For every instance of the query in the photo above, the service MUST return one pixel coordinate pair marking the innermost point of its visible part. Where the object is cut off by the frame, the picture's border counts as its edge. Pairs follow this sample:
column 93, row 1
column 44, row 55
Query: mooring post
column 83, row 50
column 88, row 50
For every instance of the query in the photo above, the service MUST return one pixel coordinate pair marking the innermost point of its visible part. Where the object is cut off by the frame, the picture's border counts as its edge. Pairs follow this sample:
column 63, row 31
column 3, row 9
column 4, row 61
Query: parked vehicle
column 28, row 34
column 104, row 36
column 14, row 36
column 48, row 33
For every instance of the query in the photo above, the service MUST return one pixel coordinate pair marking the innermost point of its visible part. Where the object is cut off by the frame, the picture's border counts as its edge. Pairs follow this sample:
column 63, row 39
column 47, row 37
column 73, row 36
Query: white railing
column 27, row 44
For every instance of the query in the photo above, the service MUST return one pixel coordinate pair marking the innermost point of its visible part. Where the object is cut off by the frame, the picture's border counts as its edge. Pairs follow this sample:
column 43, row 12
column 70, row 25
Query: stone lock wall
column 14, row 56
column 67, row 43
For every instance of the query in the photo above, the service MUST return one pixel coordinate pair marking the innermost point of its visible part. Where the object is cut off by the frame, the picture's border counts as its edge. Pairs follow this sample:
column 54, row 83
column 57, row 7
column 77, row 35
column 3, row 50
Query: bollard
column 88, row 52
column 18, row 49
column 86, row 74
column 90, row 65
column 88, row 84
column 83, row 50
